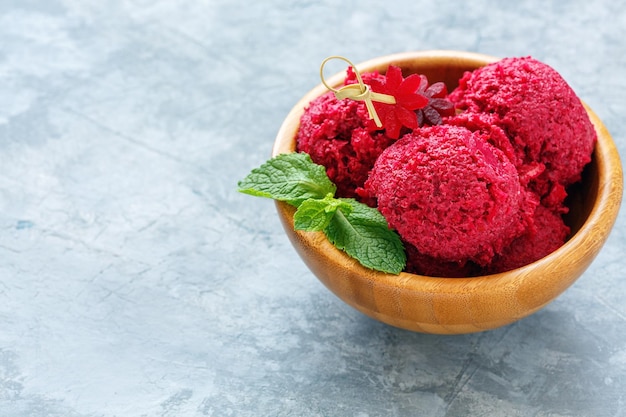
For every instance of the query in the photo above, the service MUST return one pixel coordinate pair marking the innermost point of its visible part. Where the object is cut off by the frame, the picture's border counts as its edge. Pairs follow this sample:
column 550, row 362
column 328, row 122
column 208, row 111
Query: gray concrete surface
column 135, row 280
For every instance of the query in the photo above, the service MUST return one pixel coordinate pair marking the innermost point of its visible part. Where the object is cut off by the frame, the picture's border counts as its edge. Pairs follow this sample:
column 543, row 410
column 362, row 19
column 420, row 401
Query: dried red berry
column 438, row 105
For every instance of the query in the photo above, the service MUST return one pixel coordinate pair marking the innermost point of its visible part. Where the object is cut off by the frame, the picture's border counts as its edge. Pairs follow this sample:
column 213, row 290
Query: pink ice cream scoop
column 335, row 134
column 451, row 194
column 545, row 121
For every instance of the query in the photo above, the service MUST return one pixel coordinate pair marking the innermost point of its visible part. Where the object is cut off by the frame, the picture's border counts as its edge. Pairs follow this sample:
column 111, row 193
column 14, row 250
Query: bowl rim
column 599, row 220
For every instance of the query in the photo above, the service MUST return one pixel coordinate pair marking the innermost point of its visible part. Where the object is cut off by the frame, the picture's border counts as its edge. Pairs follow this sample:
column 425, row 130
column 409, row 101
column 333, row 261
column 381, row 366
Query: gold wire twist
column 359, row 92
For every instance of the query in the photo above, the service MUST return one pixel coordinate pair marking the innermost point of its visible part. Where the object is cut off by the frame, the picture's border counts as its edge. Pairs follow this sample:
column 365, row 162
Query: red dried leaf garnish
column 408, row 100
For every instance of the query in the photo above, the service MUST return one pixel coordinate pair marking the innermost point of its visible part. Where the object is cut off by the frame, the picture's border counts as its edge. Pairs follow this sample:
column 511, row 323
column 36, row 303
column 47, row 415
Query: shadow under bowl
column 461, row 305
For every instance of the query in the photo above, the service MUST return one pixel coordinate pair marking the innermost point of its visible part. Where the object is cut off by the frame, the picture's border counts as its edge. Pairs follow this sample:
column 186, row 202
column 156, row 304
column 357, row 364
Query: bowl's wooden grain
column 461, row 305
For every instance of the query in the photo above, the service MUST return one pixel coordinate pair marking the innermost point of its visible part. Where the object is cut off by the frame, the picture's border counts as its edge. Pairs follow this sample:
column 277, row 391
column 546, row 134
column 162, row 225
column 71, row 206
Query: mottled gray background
column 134, row 279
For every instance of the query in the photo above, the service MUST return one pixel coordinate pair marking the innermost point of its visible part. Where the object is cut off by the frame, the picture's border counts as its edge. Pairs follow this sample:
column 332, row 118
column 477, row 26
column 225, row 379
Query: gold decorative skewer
column 359, row 92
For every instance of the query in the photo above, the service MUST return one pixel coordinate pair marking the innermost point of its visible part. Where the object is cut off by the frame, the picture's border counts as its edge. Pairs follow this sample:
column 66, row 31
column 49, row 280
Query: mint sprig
column 357, row 229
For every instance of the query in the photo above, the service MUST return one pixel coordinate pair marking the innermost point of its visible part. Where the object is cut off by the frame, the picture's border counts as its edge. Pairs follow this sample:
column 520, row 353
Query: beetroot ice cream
column 335, row 134
column 547, row 125
column 481, row 193
column 547, row 233
column 340, row 135
column 451, row 194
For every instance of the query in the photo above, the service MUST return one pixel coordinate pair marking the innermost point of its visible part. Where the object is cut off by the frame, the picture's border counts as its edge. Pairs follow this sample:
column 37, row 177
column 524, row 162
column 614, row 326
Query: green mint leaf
column 364, row 234
column 315, row 215
column 292, row 177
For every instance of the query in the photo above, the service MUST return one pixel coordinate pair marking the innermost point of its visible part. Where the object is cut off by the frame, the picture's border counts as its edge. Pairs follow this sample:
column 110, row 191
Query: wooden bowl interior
column 582, row 197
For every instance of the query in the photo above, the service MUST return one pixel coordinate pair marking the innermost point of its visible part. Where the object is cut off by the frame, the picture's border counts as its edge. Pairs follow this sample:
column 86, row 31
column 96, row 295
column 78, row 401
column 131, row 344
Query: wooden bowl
column 461, row 305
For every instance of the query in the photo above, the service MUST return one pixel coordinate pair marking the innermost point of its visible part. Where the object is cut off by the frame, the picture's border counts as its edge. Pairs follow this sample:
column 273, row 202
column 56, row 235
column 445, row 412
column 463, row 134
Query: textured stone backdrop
column 134, row 279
